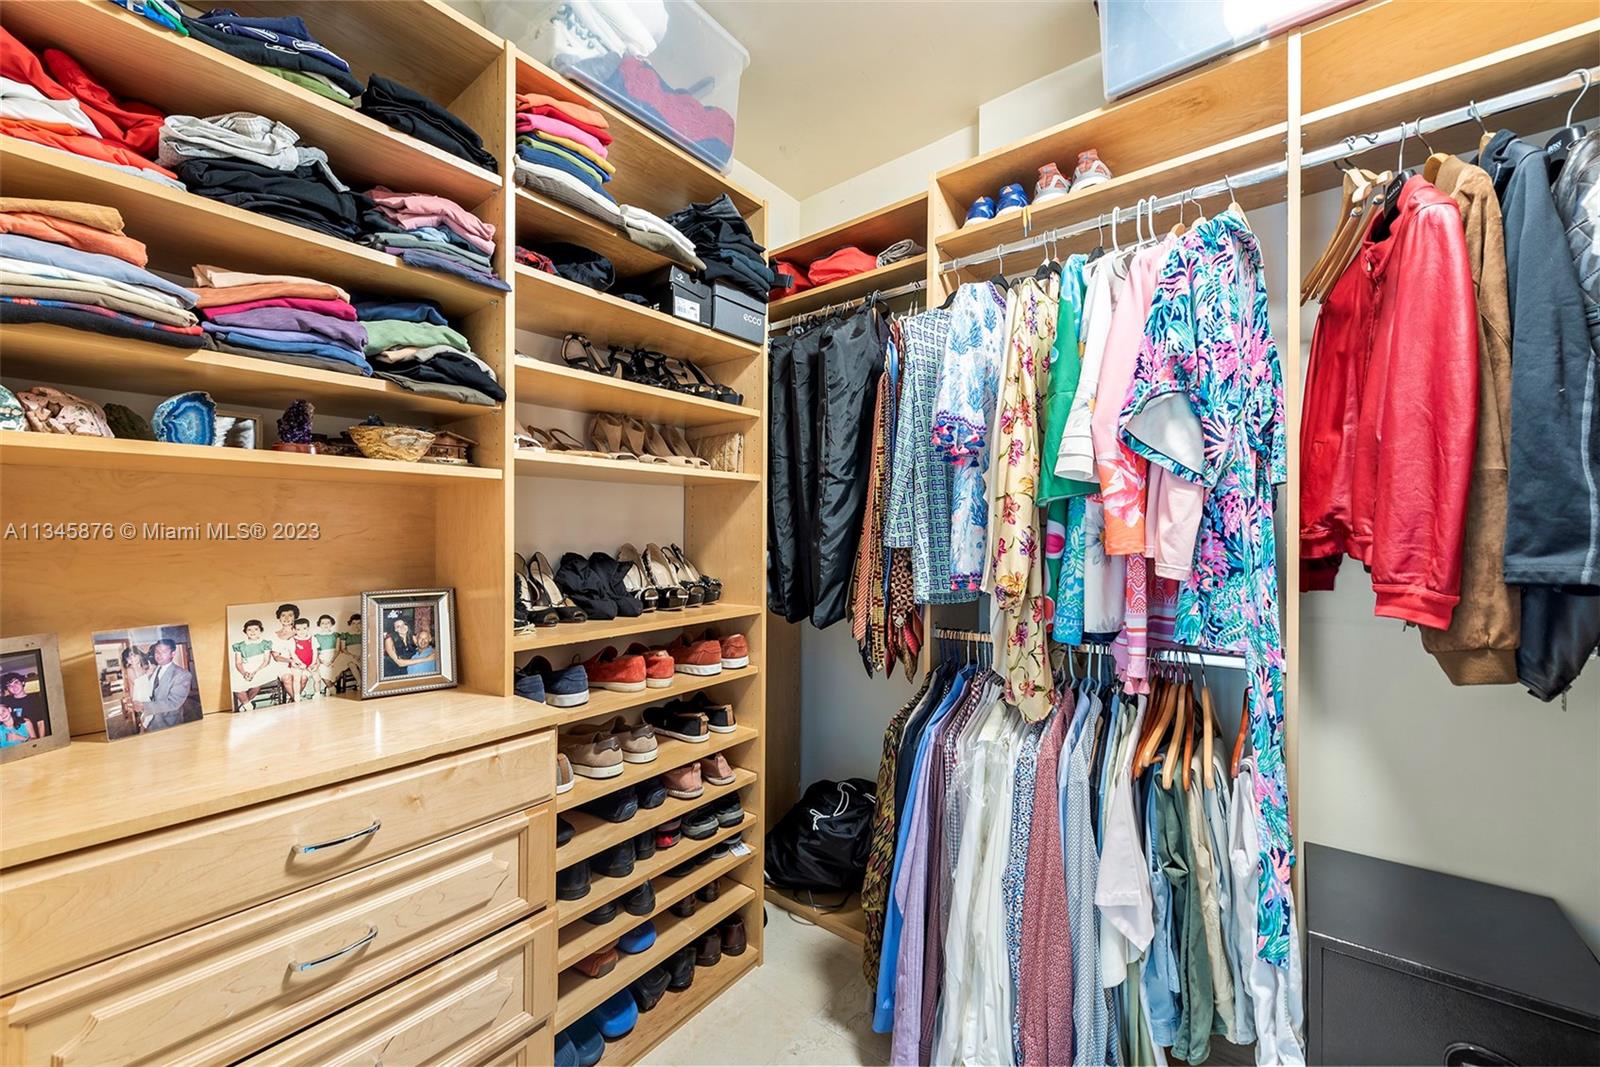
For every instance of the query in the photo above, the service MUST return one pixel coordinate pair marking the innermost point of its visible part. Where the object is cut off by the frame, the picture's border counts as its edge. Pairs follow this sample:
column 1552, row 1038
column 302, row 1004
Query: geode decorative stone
column 294, row 425
column 128, row 424
column 186, row 419
column 11, row 414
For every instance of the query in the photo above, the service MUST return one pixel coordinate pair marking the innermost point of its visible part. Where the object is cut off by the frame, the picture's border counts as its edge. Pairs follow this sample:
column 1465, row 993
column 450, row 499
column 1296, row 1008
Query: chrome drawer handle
column 306, row 850
column 372, row 932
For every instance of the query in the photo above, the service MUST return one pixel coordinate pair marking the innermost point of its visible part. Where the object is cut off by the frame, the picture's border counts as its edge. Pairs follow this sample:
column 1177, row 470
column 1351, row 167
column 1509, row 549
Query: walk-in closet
column 599, row 532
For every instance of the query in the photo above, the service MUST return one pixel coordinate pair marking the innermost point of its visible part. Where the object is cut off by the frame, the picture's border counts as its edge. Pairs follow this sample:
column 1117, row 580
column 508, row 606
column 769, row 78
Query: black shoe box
column 737, row 313
column 676, row 292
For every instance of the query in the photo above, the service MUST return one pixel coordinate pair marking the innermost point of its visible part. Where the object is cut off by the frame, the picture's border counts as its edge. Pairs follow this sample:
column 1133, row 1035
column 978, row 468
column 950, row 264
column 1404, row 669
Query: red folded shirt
column 599, row 134
column 134, row 126
column 848, row 261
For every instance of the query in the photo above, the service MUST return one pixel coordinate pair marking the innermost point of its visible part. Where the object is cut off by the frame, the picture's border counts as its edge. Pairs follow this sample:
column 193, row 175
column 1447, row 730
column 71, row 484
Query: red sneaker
column 609, row 669
column 691, row 656
column 658, row 665
column 734, row 649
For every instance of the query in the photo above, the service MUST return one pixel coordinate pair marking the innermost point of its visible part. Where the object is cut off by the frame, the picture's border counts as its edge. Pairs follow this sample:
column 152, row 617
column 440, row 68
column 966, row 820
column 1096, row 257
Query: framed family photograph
column 146, row 679
column 411, row 645
column 294, row 651
column 33, row 709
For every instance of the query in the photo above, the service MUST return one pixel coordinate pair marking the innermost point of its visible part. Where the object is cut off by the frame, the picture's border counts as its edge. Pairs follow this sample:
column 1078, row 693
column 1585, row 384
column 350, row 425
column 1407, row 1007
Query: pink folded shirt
column 416, row 210
column 527, row 122
column 339, row 309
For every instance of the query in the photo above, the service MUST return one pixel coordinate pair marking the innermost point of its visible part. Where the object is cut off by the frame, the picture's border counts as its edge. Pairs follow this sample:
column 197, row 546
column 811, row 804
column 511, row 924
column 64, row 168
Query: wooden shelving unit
column 540, row 219
column 653, row 1028
column 604, row 703
column 557, row 385
column 536, row 464
column 670, row 753
column 624, row 631
column 872, row 232
column 595, row 834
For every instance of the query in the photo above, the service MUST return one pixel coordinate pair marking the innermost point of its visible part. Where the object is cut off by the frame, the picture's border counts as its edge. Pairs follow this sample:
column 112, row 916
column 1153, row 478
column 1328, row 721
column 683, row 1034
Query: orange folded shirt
column 75, row 235
column 586, row 115
column 78, row 143
column 99, row 216
column 238, row 294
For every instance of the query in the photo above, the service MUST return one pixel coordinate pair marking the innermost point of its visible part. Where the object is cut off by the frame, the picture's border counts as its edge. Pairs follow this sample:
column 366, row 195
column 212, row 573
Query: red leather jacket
column 1391, row 413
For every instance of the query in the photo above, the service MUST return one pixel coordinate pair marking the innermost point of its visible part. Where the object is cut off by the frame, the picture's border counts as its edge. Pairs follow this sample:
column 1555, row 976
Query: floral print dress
column 1207, row 405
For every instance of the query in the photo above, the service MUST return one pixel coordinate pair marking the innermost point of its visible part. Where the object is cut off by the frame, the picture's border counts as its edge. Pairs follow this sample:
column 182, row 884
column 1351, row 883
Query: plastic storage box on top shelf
column 666, row 62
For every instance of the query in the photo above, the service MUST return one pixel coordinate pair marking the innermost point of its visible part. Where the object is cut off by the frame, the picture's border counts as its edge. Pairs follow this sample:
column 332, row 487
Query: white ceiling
column 837, row 87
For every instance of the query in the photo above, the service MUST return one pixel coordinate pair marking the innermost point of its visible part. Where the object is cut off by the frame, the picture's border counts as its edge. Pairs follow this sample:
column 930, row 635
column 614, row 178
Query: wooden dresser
column 353, row 883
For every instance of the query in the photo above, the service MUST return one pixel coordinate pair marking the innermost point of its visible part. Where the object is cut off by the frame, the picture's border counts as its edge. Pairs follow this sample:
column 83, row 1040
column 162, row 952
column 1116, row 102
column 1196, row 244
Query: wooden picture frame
column 38, row 651
column 400, row 627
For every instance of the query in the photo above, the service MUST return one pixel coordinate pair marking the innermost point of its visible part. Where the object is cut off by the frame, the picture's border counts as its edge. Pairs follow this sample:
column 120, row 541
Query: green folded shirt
column 384, row 334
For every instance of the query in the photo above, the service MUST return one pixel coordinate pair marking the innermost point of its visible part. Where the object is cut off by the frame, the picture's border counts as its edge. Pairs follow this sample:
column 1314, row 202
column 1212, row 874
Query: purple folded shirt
column 297, row 320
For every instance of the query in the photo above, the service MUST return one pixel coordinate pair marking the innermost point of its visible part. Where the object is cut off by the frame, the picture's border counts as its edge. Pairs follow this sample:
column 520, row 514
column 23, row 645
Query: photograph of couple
column 146, row 679
column 24, row 712
column 291, row 653
column 408, row 643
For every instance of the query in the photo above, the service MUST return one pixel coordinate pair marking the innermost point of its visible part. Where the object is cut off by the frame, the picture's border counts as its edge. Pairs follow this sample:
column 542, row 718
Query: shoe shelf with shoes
column 578, row 994
column 580, row 938
column 656, row 622
column 675, row 1006
column 553, row 385
column 595, row 835
column 539, row 464
column 603, row 704
column 670, row 754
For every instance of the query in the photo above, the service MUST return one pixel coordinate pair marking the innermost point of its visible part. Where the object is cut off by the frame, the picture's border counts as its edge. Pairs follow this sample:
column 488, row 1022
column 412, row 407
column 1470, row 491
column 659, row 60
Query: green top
column 384, row 334
column 306, row 81
column 352, row 639
column 325, row 642
column 252, row 648
column 1066, row 363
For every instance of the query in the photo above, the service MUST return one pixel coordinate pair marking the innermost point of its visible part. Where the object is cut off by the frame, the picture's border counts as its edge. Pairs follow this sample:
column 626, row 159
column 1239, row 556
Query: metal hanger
column 1472, row 113
column 1563, row 139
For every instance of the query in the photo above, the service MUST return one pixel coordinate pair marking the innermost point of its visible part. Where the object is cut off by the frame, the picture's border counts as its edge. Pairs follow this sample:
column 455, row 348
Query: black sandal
column 528, row 611
column 726, row 394
column 712, row 586
column 587, row 358
column 544, row 583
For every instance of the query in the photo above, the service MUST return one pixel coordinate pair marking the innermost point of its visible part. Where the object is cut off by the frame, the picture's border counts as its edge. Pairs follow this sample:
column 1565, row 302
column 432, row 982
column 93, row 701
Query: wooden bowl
column 406, row 444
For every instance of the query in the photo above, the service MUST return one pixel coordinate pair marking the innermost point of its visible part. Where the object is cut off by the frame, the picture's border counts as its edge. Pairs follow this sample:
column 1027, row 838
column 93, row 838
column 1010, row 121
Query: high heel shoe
column 636, row 579
column 586, row 358
column 543, row 580
column 528, row 611
column 656, row 444
column 662, row 564
column 713, row 587
column 670, row 595
column 605, row 434
column 636, row 436
column 557, row 441
column 679, row 443
column 688, row 378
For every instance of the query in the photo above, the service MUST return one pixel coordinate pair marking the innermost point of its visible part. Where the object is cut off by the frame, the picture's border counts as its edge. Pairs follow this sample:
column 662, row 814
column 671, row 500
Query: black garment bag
column 823, row 841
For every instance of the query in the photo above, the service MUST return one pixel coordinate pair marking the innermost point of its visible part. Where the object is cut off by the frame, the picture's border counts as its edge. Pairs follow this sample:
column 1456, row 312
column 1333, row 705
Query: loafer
column 680, row 968
column 684, row 782
column 716, row 769
column 695, row 656
column 734, row 649
column 613, row 670
column 652, row 794
column 640, row 900
column 584, row 1036
column 638, row 740
column 599, row 964
column 644, row 845
column 708, row 892
column 638, row 939
column 719, row 717
column 982, row 210
column 685, row 907
column 1012, row 198
column 613, row 807
column 658, row 665
column 593, row 754
column 564, row 831
column 729, row 810
column 733, row 936
column 708, row 949
column 648, row 989
column 614, row 862
column 530, row 687
column 617, row 1015
column 679, row 721
column 602, row 915
column 572, row 883
column 699, row 824
column 566, row 1054
column 564, row 778
column 669, row 833
column 563, row 687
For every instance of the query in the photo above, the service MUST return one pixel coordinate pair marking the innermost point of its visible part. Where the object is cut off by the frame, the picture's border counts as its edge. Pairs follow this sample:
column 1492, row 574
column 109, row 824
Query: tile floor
column 807, row 1003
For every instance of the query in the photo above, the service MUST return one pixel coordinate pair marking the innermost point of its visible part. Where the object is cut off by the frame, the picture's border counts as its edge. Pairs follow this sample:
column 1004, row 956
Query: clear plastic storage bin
column 666, row 62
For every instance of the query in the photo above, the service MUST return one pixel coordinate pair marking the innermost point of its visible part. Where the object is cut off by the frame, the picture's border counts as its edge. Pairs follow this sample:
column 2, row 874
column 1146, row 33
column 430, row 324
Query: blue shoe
column 566, row 1051
column 616, row 1017
column 982, row 210
column 1012, row 198
column 638, row 939
column 586, row 1040
column 530, row 686
column 563, row 687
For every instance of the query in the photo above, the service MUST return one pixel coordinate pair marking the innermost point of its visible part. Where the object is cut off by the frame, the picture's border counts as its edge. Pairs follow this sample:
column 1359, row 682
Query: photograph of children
column 408, row 643
column 146, row 679
column 294, row 652
column 24, row 708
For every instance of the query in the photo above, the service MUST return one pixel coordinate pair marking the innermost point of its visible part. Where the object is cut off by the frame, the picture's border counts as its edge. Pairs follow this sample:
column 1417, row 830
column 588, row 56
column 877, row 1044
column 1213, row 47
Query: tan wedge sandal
column 679, row 443
column 605, row 433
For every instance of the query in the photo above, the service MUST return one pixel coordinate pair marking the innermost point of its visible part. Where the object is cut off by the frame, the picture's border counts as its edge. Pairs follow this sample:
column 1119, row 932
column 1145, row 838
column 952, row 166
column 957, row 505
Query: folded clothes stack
column 706, row 130
column 723, row 240
column 403, row 108
column 251, row 162
column 280, row 45
column 578, row 264
column 70, row 264
column 562, row 152
column 50, row 100
column 282, row 317
column 411, row 344
column 843, row 263
column 657, row 234
column 432, row 232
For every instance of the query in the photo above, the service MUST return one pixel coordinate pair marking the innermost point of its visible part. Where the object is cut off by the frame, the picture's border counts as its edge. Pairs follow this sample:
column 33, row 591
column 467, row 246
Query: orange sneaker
column 658, row 665
column 609, row 669
column 735, row 650
column 690, row 656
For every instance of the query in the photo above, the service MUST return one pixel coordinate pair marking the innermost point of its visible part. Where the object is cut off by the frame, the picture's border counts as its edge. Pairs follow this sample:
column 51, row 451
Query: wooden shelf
column 535, row 464
column 540, row 219
column 549, row 304
column 556, row 385
column 603, row 703
column 182, row 229
column 627, row 630
column 227, row 761
column 871, row 232
column 848, row 922
column 595, row 835
column 578, row 994
column 138, row 60
column 854, row 287
column 675, row 1009
column 46, row 352
column 670, row 753
column 1168, row 176
column 651, row 172
column 579, row 939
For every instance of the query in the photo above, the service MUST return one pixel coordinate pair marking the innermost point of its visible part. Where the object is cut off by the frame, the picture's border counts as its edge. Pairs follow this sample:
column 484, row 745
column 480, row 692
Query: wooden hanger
column 1174, row 745
column 1156, row 726
column 1372, row 198
column 1350, row 201
column 1188, row 750
column 1208, row 726
column 1233, row 199
column 1244, row 730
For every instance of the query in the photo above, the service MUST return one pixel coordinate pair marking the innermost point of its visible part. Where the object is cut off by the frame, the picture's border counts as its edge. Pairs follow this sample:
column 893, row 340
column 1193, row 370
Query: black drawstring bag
column 822, row 843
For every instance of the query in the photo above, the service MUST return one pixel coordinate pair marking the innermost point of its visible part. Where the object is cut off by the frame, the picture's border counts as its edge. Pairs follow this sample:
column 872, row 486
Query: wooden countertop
column 95, row 791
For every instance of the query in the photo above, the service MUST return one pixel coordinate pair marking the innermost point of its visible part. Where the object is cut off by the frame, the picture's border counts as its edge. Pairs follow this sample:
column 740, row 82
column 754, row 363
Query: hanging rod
column 1361, row 142
column 943, row 633
column 1230, row 660
column 828, row 309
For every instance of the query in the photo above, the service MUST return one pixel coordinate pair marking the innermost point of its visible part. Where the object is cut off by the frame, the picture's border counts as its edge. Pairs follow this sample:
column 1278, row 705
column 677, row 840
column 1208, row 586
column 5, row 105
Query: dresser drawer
column 479, row 1006
column 68, row 912
column 237, row 984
